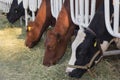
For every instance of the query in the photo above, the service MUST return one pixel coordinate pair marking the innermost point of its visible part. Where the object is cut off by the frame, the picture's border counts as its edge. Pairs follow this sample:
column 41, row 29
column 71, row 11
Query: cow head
column 79, row 39
column 32, row 36
column 51, row 44
column 15, row 12
column 97, row 37
column 84, row 53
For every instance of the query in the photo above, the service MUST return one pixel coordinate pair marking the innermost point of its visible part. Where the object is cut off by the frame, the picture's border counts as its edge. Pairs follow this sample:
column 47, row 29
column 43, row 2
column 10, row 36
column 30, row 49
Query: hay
column 17, row 62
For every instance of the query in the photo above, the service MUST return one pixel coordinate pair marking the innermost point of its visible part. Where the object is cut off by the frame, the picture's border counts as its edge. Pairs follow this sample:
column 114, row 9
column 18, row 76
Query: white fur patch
column 104, row 46
column 117, row 41
column 79, row 39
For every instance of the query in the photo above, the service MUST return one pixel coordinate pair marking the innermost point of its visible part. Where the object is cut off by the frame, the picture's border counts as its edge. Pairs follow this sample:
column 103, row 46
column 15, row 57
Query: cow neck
column 91, row 31
column 92, row 61
column 98, row 26
column 38, row 21
column 63, row 21
column 37, row 24
column 38, row 29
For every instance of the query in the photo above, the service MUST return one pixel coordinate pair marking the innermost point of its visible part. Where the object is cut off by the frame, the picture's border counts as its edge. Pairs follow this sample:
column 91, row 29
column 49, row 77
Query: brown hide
column 57, row 39
column 54, row 51
column 36, row 28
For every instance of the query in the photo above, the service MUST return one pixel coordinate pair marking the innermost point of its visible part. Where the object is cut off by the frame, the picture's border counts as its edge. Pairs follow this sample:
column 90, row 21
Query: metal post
column 114, row 32
column 25, row 5
column 56, row 6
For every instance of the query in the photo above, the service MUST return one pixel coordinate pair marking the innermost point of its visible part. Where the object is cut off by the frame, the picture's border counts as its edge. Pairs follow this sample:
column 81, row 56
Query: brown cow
column 36, row 28
column 59, row 48
column 57, row 39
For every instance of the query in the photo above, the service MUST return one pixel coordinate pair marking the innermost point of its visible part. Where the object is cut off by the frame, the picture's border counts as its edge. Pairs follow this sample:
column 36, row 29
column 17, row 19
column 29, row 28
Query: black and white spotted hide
column 89, row 46
column 16, row 11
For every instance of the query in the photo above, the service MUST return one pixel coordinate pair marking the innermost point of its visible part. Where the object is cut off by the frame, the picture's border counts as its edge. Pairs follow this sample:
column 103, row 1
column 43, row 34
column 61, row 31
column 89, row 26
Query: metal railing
column 81, row 15
column 5, row 5
column 56, row 6
column 113, row 30
column 33, row 5
column 80, row 12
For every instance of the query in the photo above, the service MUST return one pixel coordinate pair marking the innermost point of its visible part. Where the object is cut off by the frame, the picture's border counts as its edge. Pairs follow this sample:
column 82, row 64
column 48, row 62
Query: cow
column 42, row 21
column 54, row 40
column 15, row 12
column 96, row 37
column 58, row 38
column 79, row 38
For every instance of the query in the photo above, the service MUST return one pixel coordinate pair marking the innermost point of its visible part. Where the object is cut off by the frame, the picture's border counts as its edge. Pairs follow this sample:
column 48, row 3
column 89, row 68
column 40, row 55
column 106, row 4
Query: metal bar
column 39, row 3
column 25, row 5
column 81, row 12
column 116, row 16
column 111, row 53
column 56, row 6
column 107, row 18
column 93, row 5
column 72, row 11
column 33, row 7
column 86, row 12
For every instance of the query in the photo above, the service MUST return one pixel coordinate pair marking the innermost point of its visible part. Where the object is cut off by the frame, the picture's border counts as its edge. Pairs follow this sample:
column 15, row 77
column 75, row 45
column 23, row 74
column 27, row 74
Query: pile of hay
column 17, row 62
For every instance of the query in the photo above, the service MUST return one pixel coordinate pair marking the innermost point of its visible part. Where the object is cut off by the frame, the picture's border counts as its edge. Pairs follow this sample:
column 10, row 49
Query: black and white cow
column 16, row 11
column 96, row 37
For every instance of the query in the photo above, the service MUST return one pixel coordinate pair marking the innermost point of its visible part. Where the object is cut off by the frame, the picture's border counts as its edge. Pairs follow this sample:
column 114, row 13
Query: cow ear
column 29, row 28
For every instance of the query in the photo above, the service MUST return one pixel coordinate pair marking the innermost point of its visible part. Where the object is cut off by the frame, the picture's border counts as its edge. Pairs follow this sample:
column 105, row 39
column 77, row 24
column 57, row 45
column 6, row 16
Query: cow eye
column 51, row 48
column 16, row 11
